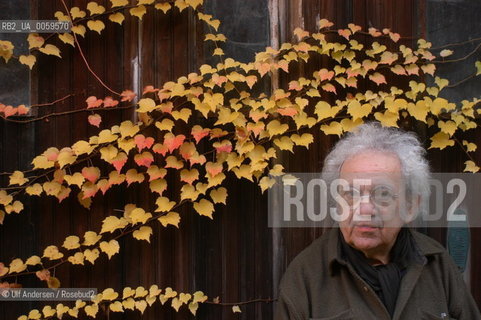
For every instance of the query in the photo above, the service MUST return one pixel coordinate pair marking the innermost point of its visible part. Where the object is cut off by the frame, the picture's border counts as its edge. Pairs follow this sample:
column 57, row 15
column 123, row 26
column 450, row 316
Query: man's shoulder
column 315, row 257
column 426, row 244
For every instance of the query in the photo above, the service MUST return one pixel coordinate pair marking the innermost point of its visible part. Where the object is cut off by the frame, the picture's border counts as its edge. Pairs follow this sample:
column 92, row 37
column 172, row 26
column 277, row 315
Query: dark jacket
column 319, row 284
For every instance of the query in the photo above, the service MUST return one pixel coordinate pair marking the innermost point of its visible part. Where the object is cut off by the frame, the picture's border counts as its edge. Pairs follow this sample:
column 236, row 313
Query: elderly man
column 372, row 266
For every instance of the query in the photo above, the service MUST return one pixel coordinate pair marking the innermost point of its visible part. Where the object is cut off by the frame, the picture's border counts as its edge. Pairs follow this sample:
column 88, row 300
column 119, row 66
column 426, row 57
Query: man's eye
column 383, row 194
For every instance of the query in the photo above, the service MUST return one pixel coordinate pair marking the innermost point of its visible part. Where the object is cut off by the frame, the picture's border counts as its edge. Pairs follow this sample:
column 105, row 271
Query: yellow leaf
column 138, row 215
column 75, row 12
column 172, row 218
column 143, row 233
column 35, row 40
column 66, row 38
column 96, row 25
column 48, row 311
column 419, row 110
column 128, row 129
column 440, row 104
column 106, row 136
column 145, row 1
column 112, row 223
column 218, row 52
column 158, row 186
column 164, row 204
column 193, row 306
column 184, row 114
column 333, row 128
column 305, row 140
column 138, row 11
column 119, row 3
column 65, row 157
column 236, row 309
column 164, row 6
column 91, row 255
column 116, row 306
column 219, row 195
column 28, row 60
column 127, row 292
column 448, row 127
column 441, row 82
column 165, row 124
column 109, row 294
column 477, row 64
column 17, row 178
column 110, row 248
column 140, row 292
column 17, row 266
column 275, row 127
column 194, row 3
column 91, row 238
column 81, row 147
column 348, row 124
column 71, row 242
column 387, row 119
column 204, row 208
column 446, row 53
column 52, row 188
column 169, row 293
column 129, row 304
column 52, row 253
column 141, row 305
column 146, row 105
column 92, row 310
column 470, row 147
column 95, row 8
column 266, row 183
column 34, row 314
column 358, row 111
column 284, row 143
column 5, row 198
column 441, row 140
column 77, row 258
column 471, row 167
column 323, row 110
column 50, row 49
column 117, row 17
column 79, row 29
column 33, row 261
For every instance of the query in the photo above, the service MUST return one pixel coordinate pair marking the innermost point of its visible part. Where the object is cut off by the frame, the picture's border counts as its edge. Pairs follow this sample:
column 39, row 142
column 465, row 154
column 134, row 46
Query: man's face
column 374, row 221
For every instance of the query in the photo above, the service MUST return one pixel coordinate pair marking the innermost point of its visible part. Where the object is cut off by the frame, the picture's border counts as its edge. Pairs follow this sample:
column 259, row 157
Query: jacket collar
column 424, row 249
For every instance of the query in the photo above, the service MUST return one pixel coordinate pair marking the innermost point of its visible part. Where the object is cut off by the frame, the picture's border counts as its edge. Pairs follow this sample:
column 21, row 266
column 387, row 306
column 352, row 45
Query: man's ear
column 412, row 208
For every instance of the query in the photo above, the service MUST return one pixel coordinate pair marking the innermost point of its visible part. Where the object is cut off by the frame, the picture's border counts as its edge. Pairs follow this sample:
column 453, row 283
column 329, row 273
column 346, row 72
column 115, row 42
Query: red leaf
column 95, row 120
column 9, row 111
column 144, row 159
column 93, row 102
column 142, row 142
column 173, row 142
column 198, row 133
column 91, row 173
column 119, row 161
column 110, row 102
column 22, row 109
column 149, row 89
column 127, row 95
column 160, row 149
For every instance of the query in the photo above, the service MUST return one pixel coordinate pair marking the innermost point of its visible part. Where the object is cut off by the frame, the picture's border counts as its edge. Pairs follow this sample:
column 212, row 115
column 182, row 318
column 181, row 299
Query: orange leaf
column 213, row 168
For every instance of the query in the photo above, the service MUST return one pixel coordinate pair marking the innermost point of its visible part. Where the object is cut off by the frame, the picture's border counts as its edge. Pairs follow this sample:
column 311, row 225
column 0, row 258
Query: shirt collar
column 424, row 249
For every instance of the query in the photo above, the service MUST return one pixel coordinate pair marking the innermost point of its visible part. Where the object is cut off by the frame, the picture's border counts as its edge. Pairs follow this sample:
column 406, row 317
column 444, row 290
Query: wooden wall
column 235, row 256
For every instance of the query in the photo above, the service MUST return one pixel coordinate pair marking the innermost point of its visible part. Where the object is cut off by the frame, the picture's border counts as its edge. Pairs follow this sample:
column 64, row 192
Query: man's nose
column 366, row 207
